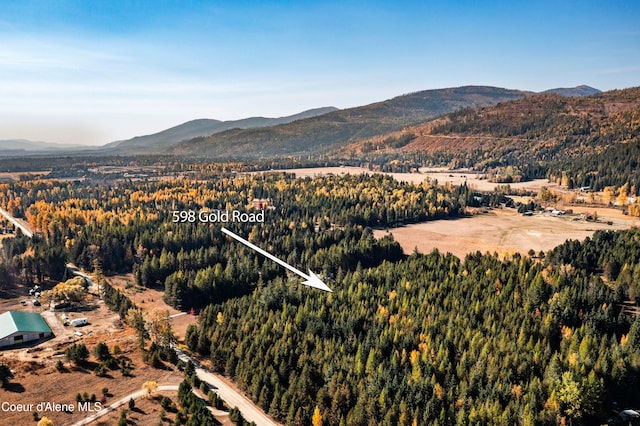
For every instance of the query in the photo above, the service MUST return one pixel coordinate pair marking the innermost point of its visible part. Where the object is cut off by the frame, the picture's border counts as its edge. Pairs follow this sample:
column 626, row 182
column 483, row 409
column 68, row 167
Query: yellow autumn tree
column 44, row 421
column 161, row 330
column 623, row 195
column 316, row 419
column 150, row 387
column 608, row 195
column 71, row 290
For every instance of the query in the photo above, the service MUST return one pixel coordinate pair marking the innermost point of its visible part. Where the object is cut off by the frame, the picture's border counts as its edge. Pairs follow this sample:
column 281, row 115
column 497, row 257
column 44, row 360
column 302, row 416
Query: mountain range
column 322, row 133
column 321, row 130
column 540, row 127
column 573, row 92
column 18, row 146
column 591, row 141
column 159, row 142
column 309, row 133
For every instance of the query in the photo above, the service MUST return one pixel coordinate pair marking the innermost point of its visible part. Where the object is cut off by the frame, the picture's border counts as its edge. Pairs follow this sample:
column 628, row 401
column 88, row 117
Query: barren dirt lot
column 501, row 231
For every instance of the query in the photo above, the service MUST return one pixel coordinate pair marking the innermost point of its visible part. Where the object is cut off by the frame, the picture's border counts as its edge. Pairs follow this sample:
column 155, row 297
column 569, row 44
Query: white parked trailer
column 78, row 322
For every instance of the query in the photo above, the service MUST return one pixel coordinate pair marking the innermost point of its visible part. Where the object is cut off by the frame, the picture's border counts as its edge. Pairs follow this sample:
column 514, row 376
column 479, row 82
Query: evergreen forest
column 403, row 339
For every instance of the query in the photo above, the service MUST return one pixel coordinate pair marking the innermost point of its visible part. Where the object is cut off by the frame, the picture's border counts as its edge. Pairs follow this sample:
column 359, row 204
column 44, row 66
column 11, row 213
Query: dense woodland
column 317, row 223
column 616, row 166
column 436, row 340
column 424, row 339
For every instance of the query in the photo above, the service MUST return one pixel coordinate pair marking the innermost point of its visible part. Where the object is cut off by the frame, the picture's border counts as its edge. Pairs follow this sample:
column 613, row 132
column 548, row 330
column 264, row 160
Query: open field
column 443, row 175
column 13, row 176
column 502, row 231
column 497, row 231
column 149, row 300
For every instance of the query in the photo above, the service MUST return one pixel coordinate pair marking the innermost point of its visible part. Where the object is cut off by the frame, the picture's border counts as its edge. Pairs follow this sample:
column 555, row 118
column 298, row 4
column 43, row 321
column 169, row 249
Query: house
column 21, row 327
column 263, row 204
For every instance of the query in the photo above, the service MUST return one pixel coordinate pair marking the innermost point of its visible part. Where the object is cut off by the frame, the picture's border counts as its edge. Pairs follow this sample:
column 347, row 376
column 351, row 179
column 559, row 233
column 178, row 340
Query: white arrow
column 312, row 279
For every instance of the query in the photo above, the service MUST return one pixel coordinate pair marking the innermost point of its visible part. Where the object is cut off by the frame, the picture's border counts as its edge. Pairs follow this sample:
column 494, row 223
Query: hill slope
column 158, row 142
column 548, row 127
column 541, row 133
column 572, row 92
column 318, row 134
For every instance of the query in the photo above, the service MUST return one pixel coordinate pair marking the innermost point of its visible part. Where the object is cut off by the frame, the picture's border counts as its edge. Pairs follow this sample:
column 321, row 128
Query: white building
column 21, row 327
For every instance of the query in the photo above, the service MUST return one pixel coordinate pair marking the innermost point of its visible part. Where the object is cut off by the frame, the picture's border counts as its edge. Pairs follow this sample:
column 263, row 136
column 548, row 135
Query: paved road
column 250, row 411
column 121, row 402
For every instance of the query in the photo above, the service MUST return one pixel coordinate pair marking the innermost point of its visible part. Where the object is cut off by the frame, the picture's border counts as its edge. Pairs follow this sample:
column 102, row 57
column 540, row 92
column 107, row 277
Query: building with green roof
column 20, row 327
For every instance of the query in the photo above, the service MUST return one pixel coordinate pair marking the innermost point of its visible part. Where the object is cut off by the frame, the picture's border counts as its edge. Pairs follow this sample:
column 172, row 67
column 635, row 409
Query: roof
column 11, row 322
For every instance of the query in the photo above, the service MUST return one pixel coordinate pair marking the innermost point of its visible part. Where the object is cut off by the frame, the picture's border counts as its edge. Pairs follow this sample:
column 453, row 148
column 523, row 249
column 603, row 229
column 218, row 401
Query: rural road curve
column 250, row 411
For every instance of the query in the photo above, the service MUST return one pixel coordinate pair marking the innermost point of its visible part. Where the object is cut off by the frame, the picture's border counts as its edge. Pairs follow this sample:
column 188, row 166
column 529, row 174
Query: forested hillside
column 158, row 142
column 314, row 136
column 590, row 140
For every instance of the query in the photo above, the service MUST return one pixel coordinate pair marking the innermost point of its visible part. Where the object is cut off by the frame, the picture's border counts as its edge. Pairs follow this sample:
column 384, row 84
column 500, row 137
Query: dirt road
column 19, row 223
column 250, row 411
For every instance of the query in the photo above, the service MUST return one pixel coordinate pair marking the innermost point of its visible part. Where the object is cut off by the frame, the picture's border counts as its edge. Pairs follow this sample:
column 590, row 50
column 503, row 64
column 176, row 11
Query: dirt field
column 502, row 231
column 151, row 299
column 443, row 176
column 37, row 379
column 102, row 323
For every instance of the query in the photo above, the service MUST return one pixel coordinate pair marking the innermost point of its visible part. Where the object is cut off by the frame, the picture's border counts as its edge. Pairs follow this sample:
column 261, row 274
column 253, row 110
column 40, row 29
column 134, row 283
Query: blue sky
column 96, row 71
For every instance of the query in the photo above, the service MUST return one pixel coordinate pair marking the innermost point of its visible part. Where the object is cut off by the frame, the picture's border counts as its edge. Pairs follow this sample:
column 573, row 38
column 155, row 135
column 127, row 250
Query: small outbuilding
column 21, row 327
